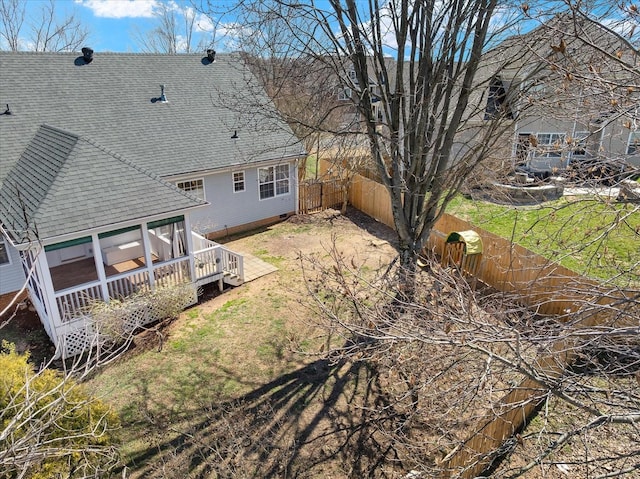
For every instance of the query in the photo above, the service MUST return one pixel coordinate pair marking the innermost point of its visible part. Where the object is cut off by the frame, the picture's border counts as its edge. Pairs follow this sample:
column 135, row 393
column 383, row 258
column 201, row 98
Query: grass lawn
column 248, row 355
column 214, row 352
column 599, row 239
column 239, row 385
column 311, row 171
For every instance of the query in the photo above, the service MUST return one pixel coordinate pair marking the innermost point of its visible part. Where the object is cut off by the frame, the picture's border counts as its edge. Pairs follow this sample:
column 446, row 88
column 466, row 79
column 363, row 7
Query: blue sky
column 114, row 24
column 117, row 25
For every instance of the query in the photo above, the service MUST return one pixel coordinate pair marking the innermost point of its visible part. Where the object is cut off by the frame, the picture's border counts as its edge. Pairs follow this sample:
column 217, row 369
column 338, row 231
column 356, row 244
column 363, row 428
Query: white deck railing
column 231, row 262
column 72, row 302
column 201, row 243
column 211, row 260
column 172, row 272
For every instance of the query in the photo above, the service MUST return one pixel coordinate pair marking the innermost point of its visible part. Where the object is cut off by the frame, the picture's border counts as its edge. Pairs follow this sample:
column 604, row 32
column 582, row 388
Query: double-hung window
column 550, row 144
column 344, row 94
column 193, row 187
column 273, row 181
column 4, row 253
column 238, row 181
column 633, row 148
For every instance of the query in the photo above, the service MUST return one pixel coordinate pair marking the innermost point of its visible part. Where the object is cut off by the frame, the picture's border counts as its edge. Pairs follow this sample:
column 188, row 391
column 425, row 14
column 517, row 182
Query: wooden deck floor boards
column 84, row 271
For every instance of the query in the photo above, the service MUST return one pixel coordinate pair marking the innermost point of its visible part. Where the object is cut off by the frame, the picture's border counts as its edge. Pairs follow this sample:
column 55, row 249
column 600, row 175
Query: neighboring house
column 348, row 91
column 559, row 101
column 118, row 169
column 569, row 102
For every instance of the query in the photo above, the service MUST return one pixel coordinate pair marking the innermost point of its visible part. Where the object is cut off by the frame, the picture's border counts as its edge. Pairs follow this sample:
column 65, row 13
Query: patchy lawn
column 240, row 386
column 244, row 369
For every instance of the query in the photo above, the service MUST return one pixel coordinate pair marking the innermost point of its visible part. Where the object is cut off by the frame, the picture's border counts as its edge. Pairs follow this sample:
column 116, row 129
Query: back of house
column 196, row 123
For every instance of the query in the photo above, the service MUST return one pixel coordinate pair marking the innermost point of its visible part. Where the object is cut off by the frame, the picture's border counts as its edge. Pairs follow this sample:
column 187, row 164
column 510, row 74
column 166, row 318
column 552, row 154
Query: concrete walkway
column 602, row 191
column 255, row 268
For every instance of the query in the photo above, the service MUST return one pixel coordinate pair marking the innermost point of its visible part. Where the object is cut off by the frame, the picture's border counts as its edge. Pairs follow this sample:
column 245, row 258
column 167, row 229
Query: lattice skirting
column 118, row 323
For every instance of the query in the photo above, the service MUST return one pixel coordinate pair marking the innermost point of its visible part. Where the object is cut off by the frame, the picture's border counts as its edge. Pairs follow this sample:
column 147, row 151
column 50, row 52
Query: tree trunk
column 407, row 273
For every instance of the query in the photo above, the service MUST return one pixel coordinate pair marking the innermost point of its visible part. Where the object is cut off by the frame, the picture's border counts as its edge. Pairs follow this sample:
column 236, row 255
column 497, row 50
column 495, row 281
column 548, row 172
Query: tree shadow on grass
column 320, row 420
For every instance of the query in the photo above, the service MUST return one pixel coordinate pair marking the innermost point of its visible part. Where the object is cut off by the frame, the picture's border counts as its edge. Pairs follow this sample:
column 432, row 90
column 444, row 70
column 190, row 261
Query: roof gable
column 64, row 183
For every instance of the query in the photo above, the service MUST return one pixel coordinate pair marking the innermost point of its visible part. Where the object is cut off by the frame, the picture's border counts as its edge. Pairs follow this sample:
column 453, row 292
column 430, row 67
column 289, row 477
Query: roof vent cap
column 87, row 54
column 211, row 55
column 163, row 97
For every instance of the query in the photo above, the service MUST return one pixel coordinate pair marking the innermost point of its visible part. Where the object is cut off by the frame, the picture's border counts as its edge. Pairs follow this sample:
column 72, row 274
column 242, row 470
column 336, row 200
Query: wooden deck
column 84, row 271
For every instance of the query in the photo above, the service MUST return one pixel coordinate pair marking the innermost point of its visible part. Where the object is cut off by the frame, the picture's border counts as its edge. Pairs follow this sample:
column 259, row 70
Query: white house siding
column 229, row 209
column 11, row 275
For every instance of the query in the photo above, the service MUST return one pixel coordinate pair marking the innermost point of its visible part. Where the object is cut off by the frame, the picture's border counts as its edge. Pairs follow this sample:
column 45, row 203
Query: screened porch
column 115, row 265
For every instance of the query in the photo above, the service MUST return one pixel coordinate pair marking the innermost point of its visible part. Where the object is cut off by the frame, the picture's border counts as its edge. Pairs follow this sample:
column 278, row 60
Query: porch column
column 190, row 250
column 296, row 167
column 46, row 283
column 148, row 260
column 97, row 258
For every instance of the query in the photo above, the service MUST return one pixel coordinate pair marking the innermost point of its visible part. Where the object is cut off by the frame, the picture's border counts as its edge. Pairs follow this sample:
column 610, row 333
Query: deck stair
column 214, row 262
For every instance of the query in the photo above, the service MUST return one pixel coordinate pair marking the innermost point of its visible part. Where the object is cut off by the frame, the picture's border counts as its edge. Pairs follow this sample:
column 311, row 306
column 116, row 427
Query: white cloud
column 204, row 23
column 120, row 8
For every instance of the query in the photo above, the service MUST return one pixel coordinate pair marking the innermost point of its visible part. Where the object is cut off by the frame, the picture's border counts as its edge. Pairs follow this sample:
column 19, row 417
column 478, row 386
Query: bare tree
column 50, row 426
column 408, row 71
column 175, row 33
column 460, row 369
column 12, row 15
column 47, row 32
column 453, row 361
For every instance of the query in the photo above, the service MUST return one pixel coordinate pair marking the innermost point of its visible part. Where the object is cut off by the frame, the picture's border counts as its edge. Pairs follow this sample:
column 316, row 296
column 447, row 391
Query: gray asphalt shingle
column 64, row 184
column 110, row 106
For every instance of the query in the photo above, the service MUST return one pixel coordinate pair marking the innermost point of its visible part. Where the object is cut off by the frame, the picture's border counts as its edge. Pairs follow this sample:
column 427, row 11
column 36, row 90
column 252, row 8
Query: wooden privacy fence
column 318, row 195
column 538, row 283
column 371, row 198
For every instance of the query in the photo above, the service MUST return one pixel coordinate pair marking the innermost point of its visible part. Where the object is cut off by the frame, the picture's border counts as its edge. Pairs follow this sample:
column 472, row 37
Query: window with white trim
column 633, row 148
column 193, row 187
column 273, row 181
column 550, row 144
column 238, row 181
column 580, row 143
column 345, row 94
column 4, row 253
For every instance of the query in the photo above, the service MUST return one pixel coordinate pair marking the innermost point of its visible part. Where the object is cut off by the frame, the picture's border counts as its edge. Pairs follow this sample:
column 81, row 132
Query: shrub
column 49, row 425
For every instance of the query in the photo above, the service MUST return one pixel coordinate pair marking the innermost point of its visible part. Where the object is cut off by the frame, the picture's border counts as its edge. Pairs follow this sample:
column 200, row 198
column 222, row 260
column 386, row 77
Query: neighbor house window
column 497, row 104
column 238, row 181
column 274, row 181
column 193, row 187
column 4, row 253
column 344, row 94
column 580, row 143
column 634, row 143
column 550, row 144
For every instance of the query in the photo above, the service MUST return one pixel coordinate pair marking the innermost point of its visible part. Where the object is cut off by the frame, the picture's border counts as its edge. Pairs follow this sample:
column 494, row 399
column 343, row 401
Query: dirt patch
column 22, row 327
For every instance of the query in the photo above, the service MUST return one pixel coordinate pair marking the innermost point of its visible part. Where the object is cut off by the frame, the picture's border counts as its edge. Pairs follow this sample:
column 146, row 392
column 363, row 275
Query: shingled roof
column 64, row 183
column 112, row 105
column 114, row 101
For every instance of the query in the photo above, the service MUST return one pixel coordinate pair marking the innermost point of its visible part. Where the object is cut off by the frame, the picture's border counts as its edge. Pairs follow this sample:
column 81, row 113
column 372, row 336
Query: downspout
column 297, row 195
